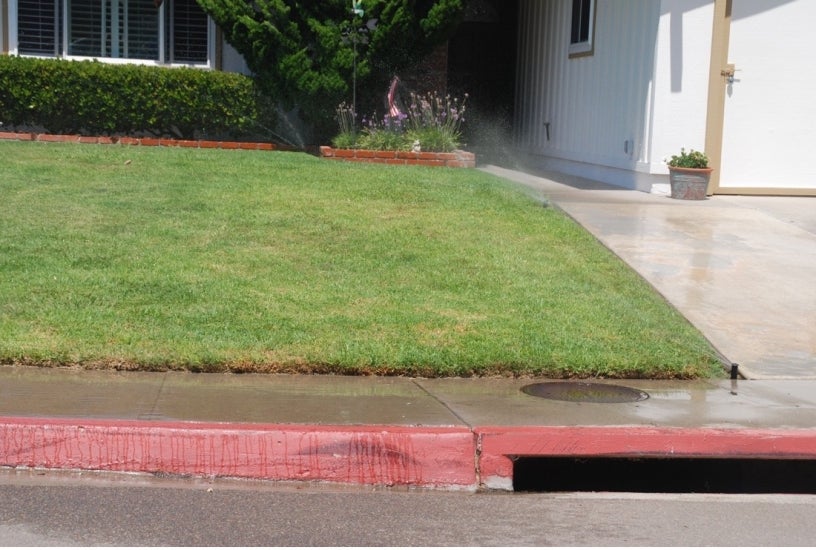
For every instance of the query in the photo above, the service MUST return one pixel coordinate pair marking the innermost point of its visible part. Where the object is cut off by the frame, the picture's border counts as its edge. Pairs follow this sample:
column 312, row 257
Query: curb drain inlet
column 585, row 392
column 664, row 475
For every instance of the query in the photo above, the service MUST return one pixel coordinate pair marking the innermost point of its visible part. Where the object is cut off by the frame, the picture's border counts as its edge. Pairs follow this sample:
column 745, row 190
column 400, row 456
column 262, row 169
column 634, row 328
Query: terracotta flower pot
column 689, row 183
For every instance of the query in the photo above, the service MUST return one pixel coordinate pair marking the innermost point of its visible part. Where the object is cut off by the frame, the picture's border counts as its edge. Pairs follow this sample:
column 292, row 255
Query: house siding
column 597, row 107
column 650, row 59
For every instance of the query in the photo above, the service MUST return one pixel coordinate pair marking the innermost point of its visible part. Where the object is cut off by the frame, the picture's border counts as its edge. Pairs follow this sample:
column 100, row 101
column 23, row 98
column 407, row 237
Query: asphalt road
column 72, row 509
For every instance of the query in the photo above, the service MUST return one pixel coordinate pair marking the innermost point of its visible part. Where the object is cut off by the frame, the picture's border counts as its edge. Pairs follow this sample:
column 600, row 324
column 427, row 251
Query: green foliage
column 435, row 121
column 303, row 56
column 345, row 140
column 384, row 137
column 692, row 159
column 431, row 123
column 433, row 139
column 102, row 99
column 346, row 120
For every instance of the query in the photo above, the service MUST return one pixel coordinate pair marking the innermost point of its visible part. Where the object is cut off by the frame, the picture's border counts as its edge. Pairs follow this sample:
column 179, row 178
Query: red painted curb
column 370, row 455
column 500, row 445
column 432, row 457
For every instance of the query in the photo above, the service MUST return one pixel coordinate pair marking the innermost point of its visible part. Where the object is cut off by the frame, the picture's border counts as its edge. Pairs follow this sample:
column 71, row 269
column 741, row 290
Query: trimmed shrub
column 93, row 98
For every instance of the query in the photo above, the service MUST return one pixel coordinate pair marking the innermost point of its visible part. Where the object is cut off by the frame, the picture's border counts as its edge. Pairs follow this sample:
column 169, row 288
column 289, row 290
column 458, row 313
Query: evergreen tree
column 303, row 52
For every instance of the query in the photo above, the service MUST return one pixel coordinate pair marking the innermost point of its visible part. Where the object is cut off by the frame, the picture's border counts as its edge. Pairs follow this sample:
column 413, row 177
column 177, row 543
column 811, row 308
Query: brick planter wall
column 146, row 142
column 456, row 159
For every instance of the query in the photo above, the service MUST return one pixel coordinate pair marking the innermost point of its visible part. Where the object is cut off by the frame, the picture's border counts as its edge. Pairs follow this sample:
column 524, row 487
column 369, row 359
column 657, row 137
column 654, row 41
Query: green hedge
column 94, row 98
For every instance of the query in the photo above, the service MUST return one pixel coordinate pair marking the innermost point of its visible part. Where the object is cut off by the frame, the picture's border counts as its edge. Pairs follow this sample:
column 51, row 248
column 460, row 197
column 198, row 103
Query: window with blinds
column 87, row 28
column 37, row 27
column 115, row 29
column 188, row 42
column 141, row 40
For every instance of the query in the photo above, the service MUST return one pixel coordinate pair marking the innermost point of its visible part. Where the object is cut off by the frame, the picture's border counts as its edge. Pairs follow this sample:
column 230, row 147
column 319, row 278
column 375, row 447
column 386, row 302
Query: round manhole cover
column 585, row 392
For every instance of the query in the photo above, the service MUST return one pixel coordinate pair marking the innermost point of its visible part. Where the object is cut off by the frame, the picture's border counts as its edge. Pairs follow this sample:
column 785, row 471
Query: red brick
column 206, row 144
column 106, row 140
column 57, row 138
column 18, row 136
column 364, row 153
column 396, row 161
column 230, row 145
column 344, row 153
column 150, row 142
column 266, row 147
column 460, row 164
column 446, row 156
column 128, row 140
column 430, row 74
column 427, row 162
column 88, row 139
column 408, row 155
column 385, row 154
column 166, row 142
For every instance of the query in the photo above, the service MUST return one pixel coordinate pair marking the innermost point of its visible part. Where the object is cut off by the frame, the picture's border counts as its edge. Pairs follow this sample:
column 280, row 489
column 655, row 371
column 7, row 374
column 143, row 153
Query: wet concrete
column 368, row 401
column 246, row 398
column 739, row 268
column 443, row 433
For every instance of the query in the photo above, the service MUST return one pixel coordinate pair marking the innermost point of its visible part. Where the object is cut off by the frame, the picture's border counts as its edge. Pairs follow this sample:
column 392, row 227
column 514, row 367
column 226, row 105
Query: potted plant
column 689, row 174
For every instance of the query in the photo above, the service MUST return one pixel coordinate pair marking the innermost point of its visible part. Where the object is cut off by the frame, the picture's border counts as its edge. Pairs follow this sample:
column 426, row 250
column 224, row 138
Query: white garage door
column 769, row 133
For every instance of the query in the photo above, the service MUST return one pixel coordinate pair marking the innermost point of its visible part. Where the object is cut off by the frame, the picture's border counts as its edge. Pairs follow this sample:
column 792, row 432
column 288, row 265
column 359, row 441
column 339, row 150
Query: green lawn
column 211, row 260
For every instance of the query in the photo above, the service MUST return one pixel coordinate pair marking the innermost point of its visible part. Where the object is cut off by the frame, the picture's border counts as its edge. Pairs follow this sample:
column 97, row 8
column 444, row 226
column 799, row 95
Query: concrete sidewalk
column 739, row 268
column 446, row 433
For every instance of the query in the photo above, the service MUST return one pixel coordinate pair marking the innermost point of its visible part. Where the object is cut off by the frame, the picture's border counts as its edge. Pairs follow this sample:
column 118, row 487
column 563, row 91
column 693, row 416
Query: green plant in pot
column 689, row 175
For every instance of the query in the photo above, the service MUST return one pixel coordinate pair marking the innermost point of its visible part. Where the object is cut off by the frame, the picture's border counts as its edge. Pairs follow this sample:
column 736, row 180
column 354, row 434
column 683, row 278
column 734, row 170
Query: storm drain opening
column 664, row 475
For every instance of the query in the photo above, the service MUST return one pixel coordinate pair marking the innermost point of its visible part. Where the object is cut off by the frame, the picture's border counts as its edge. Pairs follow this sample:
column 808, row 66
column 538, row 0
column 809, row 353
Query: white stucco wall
column 681, row 71
column 231, row 60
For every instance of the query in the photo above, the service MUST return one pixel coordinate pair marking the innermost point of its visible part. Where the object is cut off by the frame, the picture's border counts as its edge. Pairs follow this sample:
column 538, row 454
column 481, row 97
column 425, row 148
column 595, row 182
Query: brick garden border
column 456, row 159
column 144, row 141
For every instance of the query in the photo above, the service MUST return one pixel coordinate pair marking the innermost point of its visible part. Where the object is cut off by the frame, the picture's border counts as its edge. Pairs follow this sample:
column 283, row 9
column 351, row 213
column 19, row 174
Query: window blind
column 37, row 27
column 119, row 29
column 188, row 27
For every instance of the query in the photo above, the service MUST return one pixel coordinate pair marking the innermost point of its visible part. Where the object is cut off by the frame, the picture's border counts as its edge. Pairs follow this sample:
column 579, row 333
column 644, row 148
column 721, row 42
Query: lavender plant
column 346, row 119
column 387, row 133
column 436, row 121
column 431, row 123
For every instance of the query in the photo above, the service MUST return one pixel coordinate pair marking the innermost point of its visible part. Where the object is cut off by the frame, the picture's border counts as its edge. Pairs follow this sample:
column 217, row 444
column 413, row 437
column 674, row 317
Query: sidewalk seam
column 443, row 403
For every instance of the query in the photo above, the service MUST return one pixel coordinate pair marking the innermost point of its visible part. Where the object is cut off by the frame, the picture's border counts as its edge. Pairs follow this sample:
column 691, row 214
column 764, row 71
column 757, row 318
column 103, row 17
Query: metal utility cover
column 585, row 392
